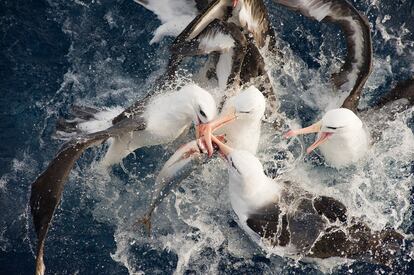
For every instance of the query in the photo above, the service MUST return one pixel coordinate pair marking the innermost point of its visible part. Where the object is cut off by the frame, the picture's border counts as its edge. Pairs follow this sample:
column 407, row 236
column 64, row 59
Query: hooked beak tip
column 235, row 3
column 289, row 134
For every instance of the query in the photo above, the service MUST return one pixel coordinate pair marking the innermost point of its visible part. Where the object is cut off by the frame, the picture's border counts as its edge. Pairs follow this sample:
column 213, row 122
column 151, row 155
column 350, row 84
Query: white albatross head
column 243, row 165
column 201, row 103
column 342, row 138
column 246, row 107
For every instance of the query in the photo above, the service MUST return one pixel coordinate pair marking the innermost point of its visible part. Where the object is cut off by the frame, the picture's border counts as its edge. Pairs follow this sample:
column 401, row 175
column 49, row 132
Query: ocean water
column 57, row 53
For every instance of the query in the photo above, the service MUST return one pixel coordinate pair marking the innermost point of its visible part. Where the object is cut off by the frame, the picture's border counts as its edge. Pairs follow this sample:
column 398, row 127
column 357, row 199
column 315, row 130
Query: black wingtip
column 47, row 189
column 404, row 89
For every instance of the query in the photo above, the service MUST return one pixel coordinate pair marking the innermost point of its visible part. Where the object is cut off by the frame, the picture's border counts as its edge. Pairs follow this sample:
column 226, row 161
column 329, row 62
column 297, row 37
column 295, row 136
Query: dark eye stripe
column 232, row 164
column 334, row 128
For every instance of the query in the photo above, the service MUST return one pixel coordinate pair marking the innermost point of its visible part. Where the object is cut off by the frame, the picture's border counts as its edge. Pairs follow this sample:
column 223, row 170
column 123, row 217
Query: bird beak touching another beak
column 322, row 138
column 314, row 128
column 223, row 148
column 235, row 2
column 204, row 131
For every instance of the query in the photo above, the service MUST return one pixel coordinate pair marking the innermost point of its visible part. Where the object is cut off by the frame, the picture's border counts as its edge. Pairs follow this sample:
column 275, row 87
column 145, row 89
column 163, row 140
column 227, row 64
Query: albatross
column 343, row 138
column 239, row 124
column 153, row 120
column 358, row 63
column 219, row 28
column 279, row 214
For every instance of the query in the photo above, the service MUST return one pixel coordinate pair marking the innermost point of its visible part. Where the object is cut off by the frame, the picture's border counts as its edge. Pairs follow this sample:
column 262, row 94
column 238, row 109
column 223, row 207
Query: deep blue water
column 55, row 53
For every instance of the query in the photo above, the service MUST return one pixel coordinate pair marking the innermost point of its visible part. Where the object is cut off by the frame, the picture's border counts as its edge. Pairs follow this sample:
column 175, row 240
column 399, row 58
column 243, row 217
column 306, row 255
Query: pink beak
column 314, row 128
column 322, row 139
column 235, row 2
column 204, row 131
column 223, row 148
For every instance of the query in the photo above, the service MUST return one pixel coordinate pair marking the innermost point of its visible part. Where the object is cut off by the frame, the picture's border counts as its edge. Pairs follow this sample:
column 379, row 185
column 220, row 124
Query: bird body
column 342, row 137
column 252, row 193
column 346, row 144
column 245, row 111
column 166, row 117
column 154, row 120
column 280, row 214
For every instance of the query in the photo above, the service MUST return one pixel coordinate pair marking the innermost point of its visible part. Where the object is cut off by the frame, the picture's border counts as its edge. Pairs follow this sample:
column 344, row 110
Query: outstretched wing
column 223, row 37
column 404, row 89
column 47, row 189
column 358, row 62
column 217, row 9
column 174, row 15
column 217, row 36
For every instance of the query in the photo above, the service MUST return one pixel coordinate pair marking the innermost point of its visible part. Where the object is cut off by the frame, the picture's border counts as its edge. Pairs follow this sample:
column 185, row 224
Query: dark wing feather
column 215, row 37
column 359, row 242
column 265, row 221
column 332, row 209
column 263, row 28
column 47, row 189
column 358, row 63
column 404, row 89
column 218, row 36
column 135, row 111
column 217, row 9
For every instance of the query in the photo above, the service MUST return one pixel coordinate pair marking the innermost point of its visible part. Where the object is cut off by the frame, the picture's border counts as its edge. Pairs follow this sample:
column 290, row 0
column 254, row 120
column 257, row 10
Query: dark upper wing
column 258, row 23
column 217, row 9
column 404, row 89
column 217, row 36
column 354, row 73
column 332, row 209
column 47, row 189
column 265, row 222
column 136, row 110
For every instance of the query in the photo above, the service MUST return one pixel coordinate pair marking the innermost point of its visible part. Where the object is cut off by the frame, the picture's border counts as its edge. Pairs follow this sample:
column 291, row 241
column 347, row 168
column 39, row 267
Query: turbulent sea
column 56, row 53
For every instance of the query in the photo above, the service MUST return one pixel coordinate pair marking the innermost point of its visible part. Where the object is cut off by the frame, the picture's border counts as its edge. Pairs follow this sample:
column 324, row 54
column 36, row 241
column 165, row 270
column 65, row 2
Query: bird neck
column 243, row 134
column 345, row 148
column 249, row 195
column 168, row 115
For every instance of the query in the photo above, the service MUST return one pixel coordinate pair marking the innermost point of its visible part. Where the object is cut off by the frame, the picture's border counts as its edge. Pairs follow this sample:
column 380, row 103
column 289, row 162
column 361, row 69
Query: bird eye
column 202, row 113
column 245, row 112
column 332, row 128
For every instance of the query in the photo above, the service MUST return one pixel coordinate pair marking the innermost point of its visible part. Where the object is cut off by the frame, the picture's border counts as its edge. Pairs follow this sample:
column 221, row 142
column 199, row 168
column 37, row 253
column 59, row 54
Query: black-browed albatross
column 156, row 119
column 343, row 138
column 279, row 214
column 219, row 28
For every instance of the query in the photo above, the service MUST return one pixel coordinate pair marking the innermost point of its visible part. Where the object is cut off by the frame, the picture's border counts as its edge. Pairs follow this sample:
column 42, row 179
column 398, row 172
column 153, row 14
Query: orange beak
column 322, row 139
column 223, row 148
column 314, row 128
column 205, row 131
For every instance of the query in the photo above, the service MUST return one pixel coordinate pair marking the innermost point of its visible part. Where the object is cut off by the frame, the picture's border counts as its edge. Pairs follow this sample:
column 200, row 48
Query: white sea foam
column 196, row 222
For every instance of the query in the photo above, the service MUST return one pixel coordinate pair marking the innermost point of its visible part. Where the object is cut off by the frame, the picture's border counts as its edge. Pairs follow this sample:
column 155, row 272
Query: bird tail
column 84, row 120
